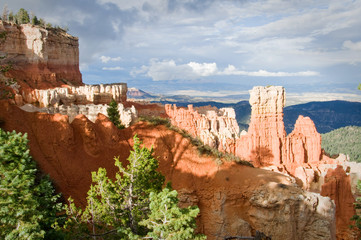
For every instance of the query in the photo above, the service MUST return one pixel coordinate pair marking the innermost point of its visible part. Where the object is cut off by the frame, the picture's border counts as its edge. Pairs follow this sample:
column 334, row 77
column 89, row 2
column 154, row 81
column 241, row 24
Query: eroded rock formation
column 41, row 58
column 299, row 154
column 233, row 199
column 214, row 127
column 96, row 94
column 91, row 111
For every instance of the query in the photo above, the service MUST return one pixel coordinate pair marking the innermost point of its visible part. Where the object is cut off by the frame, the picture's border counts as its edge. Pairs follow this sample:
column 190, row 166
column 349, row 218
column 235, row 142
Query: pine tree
column 5, row 13
column 167, row 220
column 115, row 208
column 35, row 21
column 22, row 16
column 113, row 114
column 28, row 204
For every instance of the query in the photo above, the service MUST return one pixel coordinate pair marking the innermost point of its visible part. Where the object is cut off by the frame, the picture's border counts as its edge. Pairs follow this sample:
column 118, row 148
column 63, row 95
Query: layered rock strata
column 234, row 200
column 299, row 154
column 40, row 58
column 96, row 94
column 214, row 127
column 128, row 116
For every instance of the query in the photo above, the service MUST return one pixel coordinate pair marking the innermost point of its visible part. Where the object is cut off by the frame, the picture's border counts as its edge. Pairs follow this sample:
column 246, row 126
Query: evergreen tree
column 28, row 205
column 11, row 17
column 115, row 208
column 5, row 14
column 113, row 114
column 22, row 16
column 35, row 21
column 167, row 220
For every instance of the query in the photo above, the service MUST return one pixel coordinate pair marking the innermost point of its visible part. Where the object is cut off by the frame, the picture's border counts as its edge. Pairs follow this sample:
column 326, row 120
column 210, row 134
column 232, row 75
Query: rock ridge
column 41, row 58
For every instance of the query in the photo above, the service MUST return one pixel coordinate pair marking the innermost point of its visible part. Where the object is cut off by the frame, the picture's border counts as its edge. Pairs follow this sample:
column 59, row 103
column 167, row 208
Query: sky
column 215, row 48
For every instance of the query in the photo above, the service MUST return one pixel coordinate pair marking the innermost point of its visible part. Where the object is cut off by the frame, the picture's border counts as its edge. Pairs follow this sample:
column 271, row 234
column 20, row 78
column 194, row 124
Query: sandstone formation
column 41, row 58
column 91, row 111
column 233, row 199
column 337, row 186
column 96, row 94
column 264, row 142
column 266, row 145
column 214, row 127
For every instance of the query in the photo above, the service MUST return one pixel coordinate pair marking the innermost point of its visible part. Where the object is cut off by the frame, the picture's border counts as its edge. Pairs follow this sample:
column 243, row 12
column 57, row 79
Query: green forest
column 345, row 140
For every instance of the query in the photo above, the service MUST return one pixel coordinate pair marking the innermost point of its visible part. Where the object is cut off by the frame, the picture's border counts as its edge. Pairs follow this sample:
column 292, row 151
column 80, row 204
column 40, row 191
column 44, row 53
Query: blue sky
column 215, row 47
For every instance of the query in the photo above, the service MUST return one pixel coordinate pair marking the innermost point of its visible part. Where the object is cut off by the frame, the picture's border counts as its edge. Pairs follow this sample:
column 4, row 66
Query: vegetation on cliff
column 128, row 207
column 346, row 140
column 28, row 203
column 203, row 149
column 113, row 114
column 23, row 17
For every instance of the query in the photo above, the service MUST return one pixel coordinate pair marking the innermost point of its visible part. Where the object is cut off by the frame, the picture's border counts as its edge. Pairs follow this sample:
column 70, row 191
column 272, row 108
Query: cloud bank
column 169, row 70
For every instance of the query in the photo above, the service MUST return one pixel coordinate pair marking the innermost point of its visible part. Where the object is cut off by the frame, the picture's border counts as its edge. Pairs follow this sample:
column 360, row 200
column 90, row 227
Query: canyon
column 294, row 191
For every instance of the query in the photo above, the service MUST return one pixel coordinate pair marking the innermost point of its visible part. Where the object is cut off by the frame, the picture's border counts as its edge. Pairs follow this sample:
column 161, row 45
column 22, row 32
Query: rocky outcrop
column 337, row 186
column 128, row 116
column 266, row 145
column 40, row 58
column 214, row 127
column 234, row 200
column 96, row 94
column 264, row 142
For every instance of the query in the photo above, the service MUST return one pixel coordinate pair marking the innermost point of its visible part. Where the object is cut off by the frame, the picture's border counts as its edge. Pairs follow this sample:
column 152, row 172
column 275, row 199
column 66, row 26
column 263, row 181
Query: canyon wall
column 128, row 116
column 234, row 200
column 40, row 58
column 299, row 154
column 215, row 127
column 95, row 94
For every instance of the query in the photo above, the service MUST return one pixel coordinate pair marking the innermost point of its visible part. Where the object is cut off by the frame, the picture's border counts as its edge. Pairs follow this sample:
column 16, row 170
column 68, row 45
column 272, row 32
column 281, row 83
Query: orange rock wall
column 41, row 57
column 234, row 200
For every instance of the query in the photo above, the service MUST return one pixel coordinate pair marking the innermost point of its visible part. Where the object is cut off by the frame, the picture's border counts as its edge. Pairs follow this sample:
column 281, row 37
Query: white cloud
column 106, row 59
column 169, row 70
column 198, row 93
column 113, row 68
column 231, row 70
column 203, row 69
column 355, row 46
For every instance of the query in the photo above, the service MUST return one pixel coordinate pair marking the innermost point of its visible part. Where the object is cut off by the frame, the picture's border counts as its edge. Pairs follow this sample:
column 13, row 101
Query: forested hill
column 327, row 116
column 345, row 140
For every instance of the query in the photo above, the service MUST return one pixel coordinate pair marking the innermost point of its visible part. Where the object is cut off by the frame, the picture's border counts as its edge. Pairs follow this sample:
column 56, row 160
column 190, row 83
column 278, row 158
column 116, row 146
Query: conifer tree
column 113, row 114
column 115, row 208
column 22, row 16
column 28, row 205
column 5, row 14
column 168, row 221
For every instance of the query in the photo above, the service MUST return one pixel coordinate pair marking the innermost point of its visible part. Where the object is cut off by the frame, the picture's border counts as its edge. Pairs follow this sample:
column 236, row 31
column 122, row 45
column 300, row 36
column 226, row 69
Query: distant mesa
column 134, row 93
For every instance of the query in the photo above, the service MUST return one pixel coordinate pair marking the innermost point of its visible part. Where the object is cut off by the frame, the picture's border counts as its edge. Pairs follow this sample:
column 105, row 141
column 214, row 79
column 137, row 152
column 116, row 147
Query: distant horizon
column 214, row 47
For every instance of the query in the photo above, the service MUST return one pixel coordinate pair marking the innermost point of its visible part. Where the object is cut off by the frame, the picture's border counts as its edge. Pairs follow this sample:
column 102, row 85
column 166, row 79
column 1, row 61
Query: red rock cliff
column 41, row 58
column 234, row 200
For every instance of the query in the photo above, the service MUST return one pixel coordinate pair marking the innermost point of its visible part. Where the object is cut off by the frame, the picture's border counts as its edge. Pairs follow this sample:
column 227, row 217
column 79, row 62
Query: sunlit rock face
column 41, row 58
column 215, row 127
column 264, row 142
column 128, row 116
column 267, row 146
column 234, row 199
column 95, row 94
